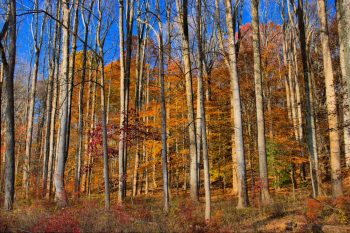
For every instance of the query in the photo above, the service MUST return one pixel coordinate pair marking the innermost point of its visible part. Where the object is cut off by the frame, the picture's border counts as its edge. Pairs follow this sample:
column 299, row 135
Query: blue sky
column 25, row 40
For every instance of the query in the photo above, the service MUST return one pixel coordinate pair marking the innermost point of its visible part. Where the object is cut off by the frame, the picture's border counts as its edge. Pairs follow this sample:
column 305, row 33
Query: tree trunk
column 31, row 101
column 100, row 43
column 331, row 103
column 203, row 126
column 50, row 106
column 79, row 149
column 122, row 125
column 310, row 124
column 63, row 103
column 163, row 113
column 265, row 196
column 343, row 17
column 9, row 68
column 237, row 112
column 183, row 13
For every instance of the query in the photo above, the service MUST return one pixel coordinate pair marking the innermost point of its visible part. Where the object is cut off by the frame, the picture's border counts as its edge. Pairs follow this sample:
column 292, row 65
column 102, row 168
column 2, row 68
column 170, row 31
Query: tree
column 38, row 38
column 343, row 17
column 310, row 122
column 100, row 40
column 86, row 23
column 51, row 94
column 122, row 125
column 203, row 125
column 63, row 111
column 331, row 103
column 236, row 106
column 9, row 68
column 182, row 9
column 265, row 196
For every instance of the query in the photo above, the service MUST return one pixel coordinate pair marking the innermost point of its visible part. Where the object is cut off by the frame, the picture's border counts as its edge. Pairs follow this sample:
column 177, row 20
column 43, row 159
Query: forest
column 175, row 116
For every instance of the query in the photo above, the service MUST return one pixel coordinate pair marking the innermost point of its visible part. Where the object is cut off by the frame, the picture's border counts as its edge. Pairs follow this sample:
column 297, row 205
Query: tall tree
column 9, row 62
column 50, row 113
column 86, row 23
column 38, row 38
column 203, row 125
column 63, row 104
column 310, row 122
column 331, row 103
column 343, row 17
column 265, row 195
column 163, row 111
column 122, row 119
column 100, row 40
column 237, row 109
column 182, row 9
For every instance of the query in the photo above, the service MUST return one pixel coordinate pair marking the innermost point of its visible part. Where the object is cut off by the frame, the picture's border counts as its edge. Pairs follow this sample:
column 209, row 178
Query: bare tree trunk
column 265, row 196
column 183, row 13
column 343, row 17
column 237, row 112
column 9, row 68
column 310, row 123
column 63, row 104
column 86, row 22
column 100, row 40
column 50, row 106
column 122, row 103
column 203, row 126
column 163, row 112
column 31, row 101
column 331, row 103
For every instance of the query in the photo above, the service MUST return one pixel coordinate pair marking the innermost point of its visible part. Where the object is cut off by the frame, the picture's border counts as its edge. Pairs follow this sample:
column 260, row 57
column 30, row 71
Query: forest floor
column 287, row 213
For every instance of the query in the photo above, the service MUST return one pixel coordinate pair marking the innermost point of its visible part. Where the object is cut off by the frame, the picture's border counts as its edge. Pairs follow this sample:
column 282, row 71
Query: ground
column 287, row 213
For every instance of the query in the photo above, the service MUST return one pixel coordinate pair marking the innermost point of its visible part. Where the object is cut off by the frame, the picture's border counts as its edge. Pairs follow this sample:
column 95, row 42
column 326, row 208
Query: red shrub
column 62, row 222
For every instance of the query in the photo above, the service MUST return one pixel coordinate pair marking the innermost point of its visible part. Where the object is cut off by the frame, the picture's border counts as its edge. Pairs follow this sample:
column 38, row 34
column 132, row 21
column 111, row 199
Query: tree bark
column 100, row 43
column 331, row 103
column 63, row 104
column 203, row 126
column 31, row 101
column 265, row 195
column 86, row 23
column 122, row 134
column 50, row 106
column 183, row 14
column 9, row 68
column 310, row 123
column 343, row 17
column 237, row 112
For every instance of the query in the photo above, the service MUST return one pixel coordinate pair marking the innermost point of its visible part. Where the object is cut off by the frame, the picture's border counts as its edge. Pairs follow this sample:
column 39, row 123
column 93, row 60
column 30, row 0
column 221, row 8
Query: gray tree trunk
column 310, row 123
column 237, row 112
column 100, row 40
column 343, row 17
column 183, row 13
column 331, row 103
column 122, row 134
column 63, row 111
column 50, row 105
column 203, row 125
column 9, row 68
column 265, row 195
column 31, row 101
column 86, row 23
column 163, row 113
